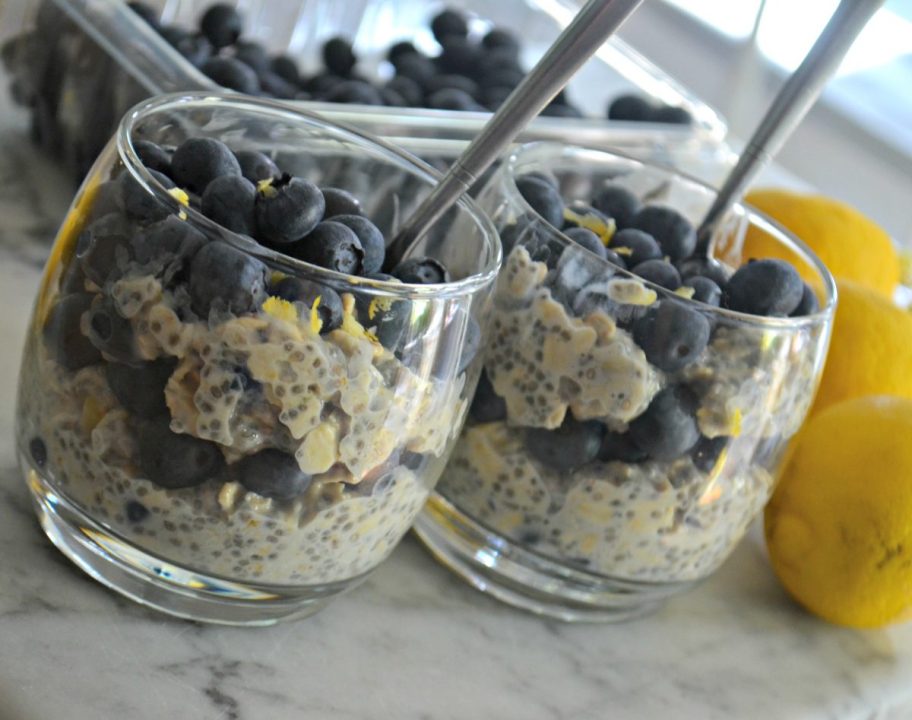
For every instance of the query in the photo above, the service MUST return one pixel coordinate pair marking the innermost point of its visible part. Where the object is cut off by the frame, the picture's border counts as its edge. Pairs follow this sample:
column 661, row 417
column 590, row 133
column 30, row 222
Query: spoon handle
column 597, row 20
column 790, row 106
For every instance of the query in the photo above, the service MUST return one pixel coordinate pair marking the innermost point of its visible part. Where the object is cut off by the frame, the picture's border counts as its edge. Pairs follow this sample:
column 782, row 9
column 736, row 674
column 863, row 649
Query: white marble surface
column 413, row 642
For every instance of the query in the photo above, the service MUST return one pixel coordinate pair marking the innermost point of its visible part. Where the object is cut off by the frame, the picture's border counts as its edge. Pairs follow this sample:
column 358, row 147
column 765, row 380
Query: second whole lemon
column 851, row 245
column 839, row 525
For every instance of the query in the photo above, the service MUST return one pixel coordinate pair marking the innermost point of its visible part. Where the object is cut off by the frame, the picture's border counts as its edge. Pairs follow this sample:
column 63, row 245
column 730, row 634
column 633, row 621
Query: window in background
column 734, row 18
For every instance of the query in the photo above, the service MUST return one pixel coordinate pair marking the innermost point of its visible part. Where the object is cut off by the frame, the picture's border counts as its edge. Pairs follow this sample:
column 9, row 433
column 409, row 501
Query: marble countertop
column 413, row 641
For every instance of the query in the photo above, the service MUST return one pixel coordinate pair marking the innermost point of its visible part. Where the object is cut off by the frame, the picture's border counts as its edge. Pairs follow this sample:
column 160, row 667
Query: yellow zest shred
column 265, row 188
column 316, row 322
column 182, row 197
column 592, row 222
column 623, row 250
column 92, row 413
column 280, row 309
column 734, row 422
column 685, row 292
column 376, row 304
column 349, row 324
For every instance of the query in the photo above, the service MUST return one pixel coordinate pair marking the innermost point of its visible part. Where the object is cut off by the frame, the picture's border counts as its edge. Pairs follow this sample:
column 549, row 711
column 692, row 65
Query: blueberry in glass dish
column 227, row 408
column 637, row 396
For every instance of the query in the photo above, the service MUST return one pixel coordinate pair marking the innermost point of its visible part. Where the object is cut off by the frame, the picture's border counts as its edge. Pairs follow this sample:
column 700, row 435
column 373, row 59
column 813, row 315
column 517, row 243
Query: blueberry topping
column 635, row 246
column 333, row 246
column 224, row 278
column 135, row 511
column 145, row 11
column 252, row 54
column 459, row 56
column 199, row 160
column 153, row 156
column 617, row 202
column 169, row 239
column 808, row 304
column 500, row 39
column 671, row 334
column 65, row 341
column 103, row 248
column 339, row 202
column 196, row 48
column 286, row 68
column 274, row 85
column 228, row 200
column 389, row 318
column 306, row 292
column 706, row 452
column 421, row 271
column 615, row 259
column 140, row 203
column 544, row 199
column 415, row 67
column 140, row 388
column 584, row 211
column 620, row 447
column 672, row 231
column 338, row 56
column 272, row 474
column 452, row 99
column 765, row 287
column 587, row 239
column 354, row 92
column 175, row 461
column 456, row 82
column 399, row 49
column 487, row 406
column 570, row 446
column 449, row 24
column 287, row 209
column 231, row 73
column 222, row 25
column 38, row 451
column 630, row 107
column 705, row 267
column 112, row 333
column 671, row 114
column 666, row 429
column 372, row 242
column 705, row 290
column 660, row 272
column 407, row 89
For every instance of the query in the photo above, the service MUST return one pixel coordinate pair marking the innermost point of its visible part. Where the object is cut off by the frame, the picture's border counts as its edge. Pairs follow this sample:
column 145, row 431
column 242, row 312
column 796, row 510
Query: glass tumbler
column 198, row 440
column 549, row 501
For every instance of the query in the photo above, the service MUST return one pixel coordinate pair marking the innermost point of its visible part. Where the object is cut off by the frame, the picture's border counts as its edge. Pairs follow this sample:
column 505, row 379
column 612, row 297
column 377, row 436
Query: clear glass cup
column 546, row 503
column 152, row 428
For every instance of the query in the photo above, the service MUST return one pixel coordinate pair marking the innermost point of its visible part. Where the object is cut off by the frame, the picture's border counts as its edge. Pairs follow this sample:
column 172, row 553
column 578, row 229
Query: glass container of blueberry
column 230, row 407
column 637, row 395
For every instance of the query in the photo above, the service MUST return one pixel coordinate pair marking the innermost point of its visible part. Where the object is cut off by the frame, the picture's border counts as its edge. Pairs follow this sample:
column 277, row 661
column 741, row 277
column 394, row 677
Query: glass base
column 530, row 581
column 161, row 584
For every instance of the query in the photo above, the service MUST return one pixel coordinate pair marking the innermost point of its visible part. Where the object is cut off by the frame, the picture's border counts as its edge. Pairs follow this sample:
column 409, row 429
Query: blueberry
column 704, row 267
column 252, row 54
column 453, row 99
column 111, row 333
column 408, row 90
column 415, row 67
column 705, row 454
column 139, row 202
column 286, row 68
column 38, row 451
column 421, row 271
column 493, row 97
column 222, row 25
column 333, row 246
column 544, row 199
column 389, row 318
column 659, row 272
column 574, row 270
column 666, row 429
column 764, row 287
column 705, row 290
column 224, row 278
column 145, row 11
column 195, row 48
column 228, row 200
column 297, row 290
column 587, row 239
column 287, row 209
column 487, row 406
column 153, row 156
column 356, row 92
column 339, row 202
column 175, row 461
column 615, row 259
column 808, row 304
column 595, row 296
column 167, row 240
column 570, row 446
column 630, row 107
column 232, row 74
column 471, row 344
column 64, row 339
column 498, row 38
column 671, row 114
column 199, row 160
column 135, row 511
column 672, row 231
column 322, row 83
column 272, row 474
column 456, row 82
column 449, row 24
column 635, row 246
column 399, row 49
column 256, row 166
column 459, row 56
column 620, row 447
column 671, row 334
column 545, row 177
column 617, row 202
column 103, row 248
column 561, row 110
column 140, row 388
column 372, row 242
column 276, row 86
column 508, row 77
column 338, row 56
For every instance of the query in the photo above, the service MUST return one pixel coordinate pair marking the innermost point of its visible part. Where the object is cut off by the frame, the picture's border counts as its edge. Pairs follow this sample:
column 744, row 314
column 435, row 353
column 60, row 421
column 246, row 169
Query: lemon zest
column 265, row 188
column 182, row 197
column 735, row 419
column 590, row 221
column 280, row 309
column 623, row 250
column 685, row 292
column 316, row 322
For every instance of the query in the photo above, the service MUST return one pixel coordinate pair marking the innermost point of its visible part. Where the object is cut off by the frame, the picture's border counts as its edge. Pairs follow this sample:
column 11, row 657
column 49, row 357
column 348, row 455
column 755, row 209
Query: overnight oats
column 636, row 397
column 230, row 407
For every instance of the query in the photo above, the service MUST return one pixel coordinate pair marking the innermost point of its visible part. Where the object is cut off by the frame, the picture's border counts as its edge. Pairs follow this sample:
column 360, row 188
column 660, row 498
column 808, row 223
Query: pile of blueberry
column 658, row 244
column 638, row 108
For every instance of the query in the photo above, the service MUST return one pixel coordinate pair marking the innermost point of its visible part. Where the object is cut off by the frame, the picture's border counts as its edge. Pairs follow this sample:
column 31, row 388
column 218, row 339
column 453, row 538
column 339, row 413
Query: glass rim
column 466, row 286
column 781, row 234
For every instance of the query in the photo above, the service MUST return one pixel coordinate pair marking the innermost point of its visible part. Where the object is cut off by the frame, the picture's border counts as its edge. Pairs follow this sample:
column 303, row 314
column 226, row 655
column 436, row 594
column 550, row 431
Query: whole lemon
column 849, row 244
column 870, row 350
column 839, row 525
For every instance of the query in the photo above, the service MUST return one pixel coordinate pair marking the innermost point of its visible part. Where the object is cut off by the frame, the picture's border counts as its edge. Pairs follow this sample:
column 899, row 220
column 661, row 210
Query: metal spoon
column 592, row 26
column 788, row 109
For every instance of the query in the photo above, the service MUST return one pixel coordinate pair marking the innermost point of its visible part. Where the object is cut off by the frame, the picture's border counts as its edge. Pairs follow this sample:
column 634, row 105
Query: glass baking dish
column 79, row 64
